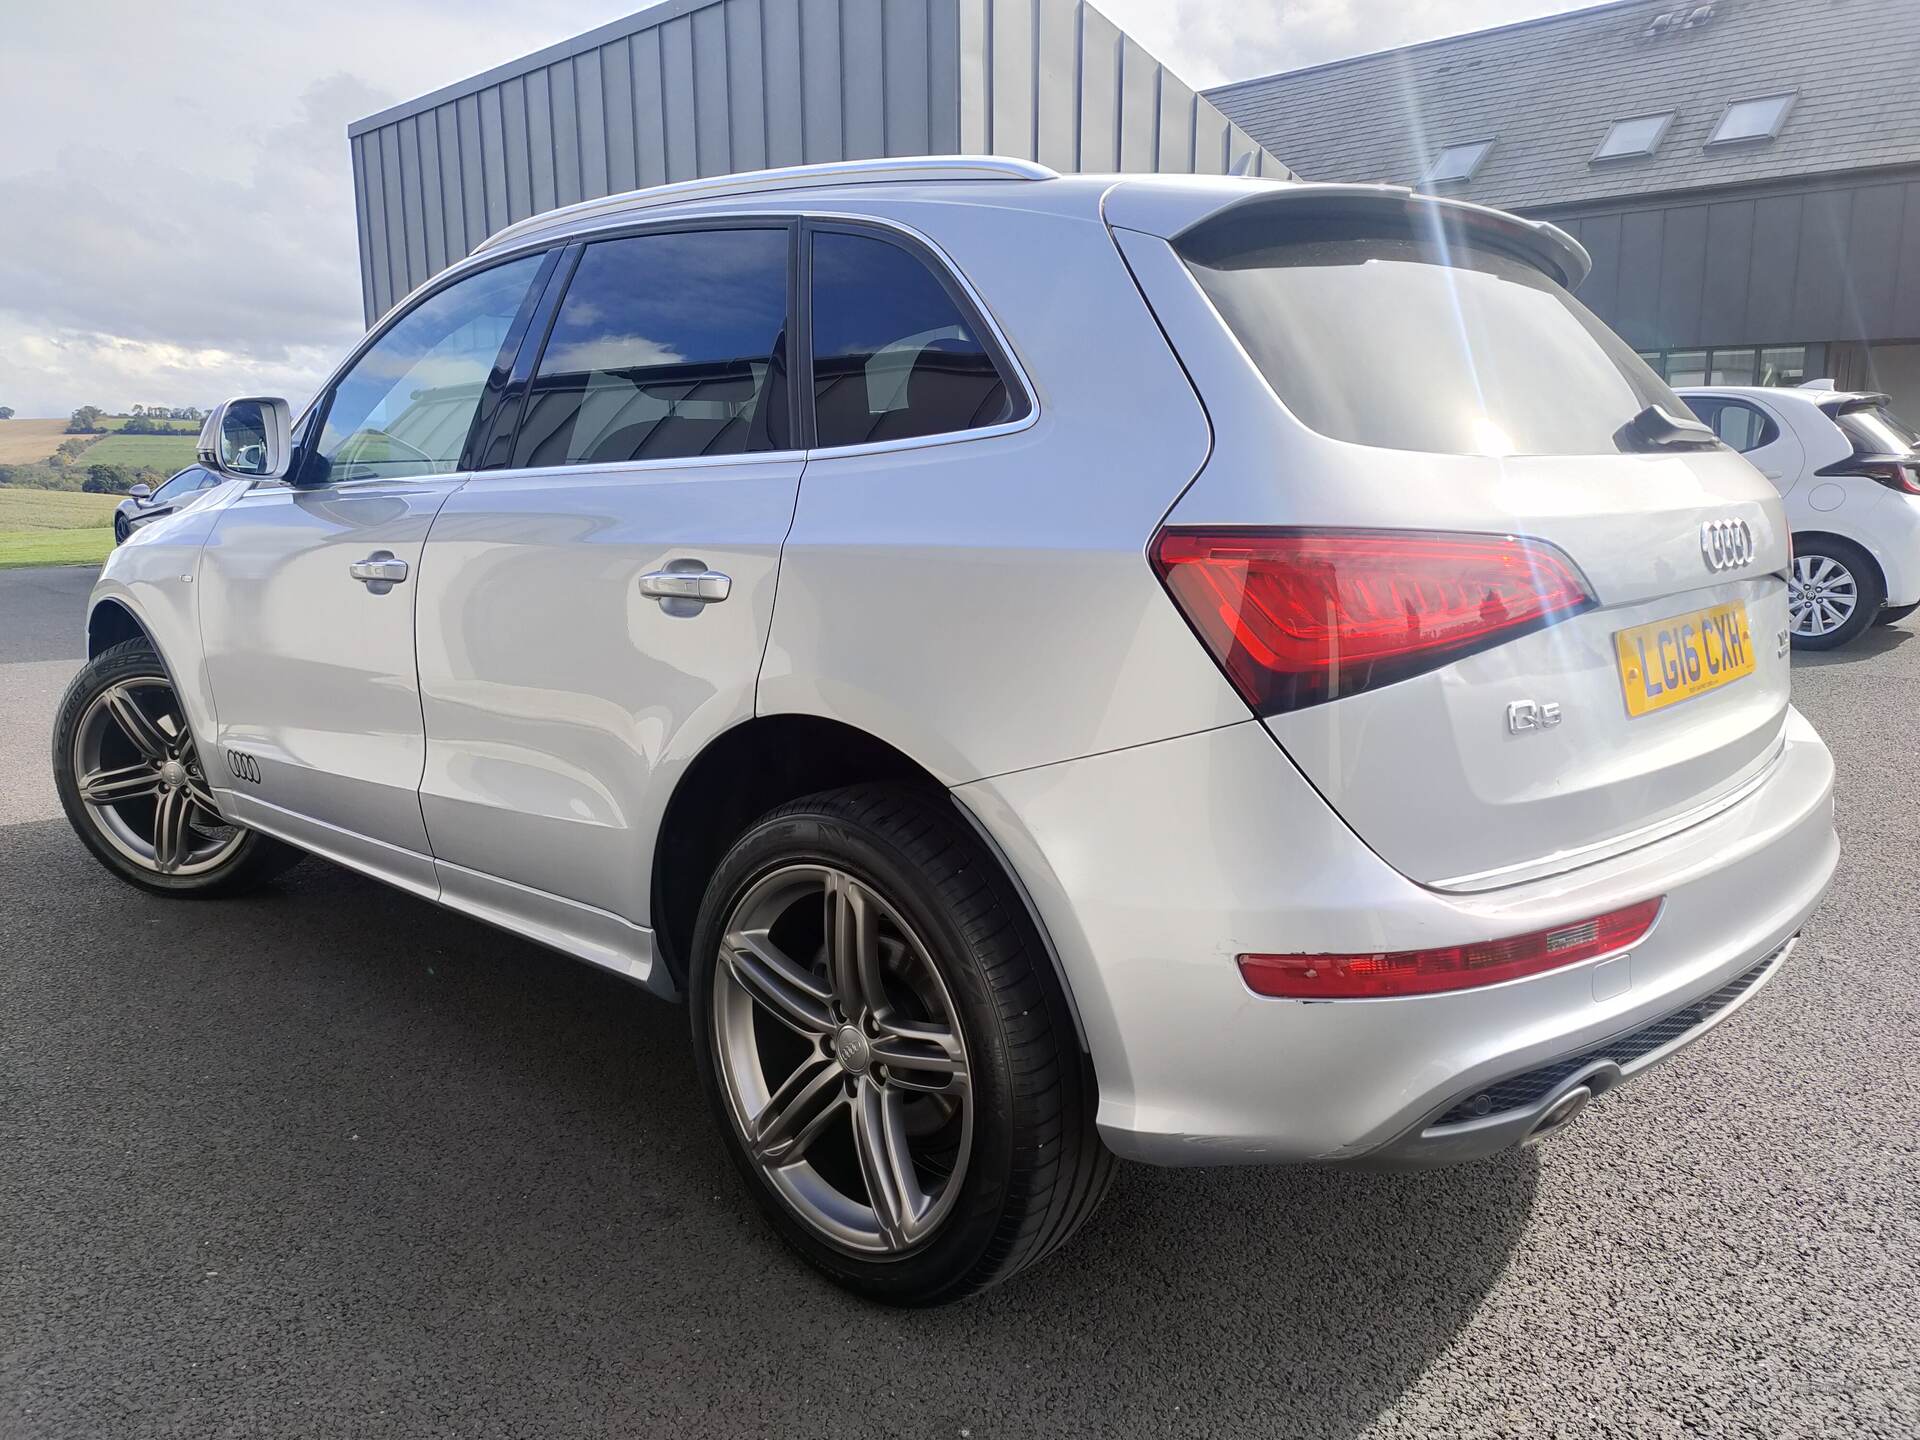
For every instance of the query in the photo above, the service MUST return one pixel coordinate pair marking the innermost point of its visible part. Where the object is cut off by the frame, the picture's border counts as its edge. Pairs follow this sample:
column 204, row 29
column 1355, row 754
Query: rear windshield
column 1876, row 430
column 1415, row 342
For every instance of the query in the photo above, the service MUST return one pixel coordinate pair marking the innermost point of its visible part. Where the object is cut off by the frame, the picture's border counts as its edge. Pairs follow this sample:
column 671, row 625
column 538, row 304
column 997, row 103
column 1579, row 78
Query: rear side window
column 895, row 356
column 667, row 346
column 1740, row 425
column 1414, row 342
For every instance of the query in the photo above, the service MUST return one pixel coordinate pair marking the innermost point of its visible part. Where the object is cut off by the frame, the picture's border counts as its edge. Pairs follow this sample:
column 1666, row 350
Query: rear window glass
column 1876, row 430
column 1414, row 342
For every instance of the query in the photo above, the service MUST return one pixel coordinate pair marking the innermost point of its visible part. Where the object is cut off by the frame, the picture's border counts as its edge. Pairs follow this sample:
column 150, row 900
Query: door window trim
column 800, row 224
column 527, row 366
column 311, row 421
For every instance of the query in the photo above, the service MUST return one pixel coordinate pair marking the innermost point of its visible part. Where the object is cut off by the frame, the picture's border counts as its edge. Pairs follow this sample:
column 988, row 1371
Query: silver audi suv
column 1048, row 668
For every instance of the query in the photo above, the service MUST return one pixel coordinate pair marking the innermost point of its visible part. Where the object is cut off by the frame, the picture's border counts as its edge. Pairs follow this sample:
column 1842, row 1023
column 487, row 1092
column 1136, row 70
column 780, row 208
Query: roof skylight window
column 1640, row 135
column 1458, row 162
column 1756, row 119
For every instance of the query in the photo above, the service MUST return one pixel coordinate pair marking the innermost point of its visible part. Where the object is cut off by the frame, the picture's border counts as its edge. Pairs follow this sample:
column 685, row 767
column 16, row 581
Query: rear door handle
column 684, row 586
column 379, row 572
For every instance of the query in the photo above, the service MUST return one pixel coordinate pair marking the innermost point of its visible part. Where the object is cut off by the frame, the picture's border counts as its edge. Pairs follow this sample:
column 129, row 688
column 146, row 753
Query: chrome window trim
column 782, row 216
column 1544, row 866
column 628, row 467
column 980, row 308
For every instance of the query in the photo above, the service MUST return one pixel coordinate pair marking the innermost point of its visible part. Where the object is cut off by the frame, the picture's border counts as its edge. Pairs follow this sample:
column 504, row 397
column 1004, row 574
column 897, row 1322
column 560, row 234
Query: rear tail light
column 1904, row 478
column 1454, row 967
column 1296, row 617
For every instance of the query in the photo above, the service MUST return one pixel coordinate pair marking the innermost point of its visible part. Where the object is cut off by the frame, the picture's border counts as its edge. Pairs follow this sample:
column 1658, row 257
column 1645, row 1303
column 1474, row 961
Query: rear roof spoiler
column 1546, row 246
column 1861, row 400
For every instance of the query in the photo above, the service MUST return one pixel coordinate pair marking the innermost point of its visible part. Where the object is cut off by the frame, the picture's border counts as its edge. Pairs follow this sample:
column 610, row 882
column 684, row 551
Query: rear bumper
column 1153, row 867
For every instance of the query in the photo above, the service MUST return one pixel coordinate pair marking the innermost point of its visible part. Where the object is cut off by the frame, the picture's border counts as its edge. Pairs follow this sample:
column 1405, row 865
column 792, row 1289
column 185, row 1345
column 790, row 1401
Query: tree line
column 139, row 420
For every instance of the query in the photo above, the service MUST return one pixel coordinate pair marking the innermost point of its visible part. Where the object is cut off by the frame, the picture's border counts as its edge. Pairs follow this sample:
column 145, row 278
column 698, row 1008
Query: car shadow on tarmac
column 286, row 1161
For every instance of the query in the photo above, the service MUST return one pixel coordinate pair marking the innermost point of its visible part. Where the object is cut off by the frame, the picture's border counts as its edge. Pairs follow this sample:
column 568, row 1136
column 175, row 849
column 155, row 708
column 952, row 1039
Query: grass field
column 24, row 441
column 162, row 452
column 54, row 527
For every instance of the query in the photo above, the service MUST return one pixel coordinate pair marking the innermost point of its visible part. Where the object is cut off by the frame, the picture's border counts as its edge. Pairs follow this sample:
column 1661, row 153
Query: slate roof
column 1546, row 91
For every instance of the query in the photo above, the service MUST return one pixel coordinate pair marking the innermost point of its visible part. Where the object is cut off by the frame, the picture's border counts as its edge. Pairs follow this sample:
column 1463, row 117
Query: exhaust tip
column 1562, row 1113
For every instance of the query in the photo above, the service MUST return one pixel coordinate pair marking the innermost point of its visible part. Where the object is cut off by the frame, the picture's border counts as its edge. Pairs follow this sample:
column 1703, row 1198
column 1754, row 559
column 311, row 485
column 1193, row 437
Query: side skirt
column 581, row 931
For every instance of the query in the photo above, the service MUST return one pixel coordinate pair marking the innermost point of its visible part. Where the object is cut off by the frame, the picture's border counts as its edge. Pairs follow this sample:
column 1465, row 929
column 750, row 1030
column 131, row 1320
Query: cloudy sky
column 176, row 202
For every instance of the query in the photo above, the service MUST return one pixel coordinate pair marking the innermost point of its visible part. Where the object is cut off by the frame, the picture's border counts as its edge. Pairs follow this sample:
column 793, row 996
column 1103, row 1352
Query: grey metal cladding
column 1549, row 88
column 691, row 88
column 1800, row 260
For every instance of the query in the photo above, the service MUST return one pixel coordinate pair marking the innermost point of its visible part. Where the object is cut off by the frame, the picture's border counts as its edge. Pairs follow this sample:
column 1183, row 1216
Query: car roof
column 1162, row 205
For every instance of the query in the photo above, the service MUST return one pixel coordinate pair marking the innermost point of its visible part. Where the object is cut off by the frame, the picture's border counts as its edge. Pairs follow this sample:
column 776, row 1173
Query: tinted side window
column 894, row 356
column 667, row 346
column 407, row 403
column 1743, row 427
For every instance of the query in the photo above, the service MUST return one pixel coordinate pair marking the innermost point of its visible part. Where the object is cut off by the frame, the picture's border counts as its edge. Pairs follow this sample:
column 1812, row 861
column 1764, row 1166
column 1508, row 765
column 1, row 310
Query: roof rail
column 793, row 177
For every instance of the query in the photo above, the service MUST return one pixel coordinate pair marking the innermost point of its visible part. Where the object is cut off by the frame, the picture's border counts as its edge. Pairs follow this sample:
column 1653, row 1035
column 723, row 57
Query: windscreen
column 1419, row 341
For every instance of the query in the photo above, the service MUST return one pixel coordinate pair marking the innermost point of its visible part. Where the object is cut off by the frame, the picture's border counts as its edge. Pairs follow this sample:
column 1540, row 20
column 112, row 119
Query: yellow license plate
column 1683, row 656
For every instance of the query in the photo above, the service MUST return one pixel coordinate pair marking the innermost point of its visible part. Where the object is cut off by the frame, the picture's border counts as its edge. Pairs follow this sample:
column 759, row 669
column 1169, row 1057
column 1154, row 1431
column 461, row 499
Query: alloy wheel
column 141, row 783
column 842, row 1059
column 1822, row 595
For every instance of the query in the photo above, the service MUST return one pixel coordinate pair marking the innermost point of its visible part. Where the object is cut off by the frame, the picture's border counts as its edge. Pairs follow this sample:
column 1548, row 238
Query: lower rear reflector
column 1452, row 967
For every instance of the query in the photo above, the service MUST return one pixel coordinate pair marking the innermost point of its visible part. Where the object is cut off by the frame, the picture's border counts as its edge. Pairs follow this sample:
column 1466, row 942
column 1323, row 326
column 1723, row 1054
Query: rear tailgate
column 1376, row 369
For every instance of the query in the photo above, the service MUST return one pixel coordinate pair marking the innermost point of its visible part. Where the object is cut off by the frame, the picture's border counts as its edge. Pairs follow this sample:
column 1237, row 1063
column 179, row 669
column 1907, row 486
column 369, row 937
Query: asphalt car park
column 328, row 1160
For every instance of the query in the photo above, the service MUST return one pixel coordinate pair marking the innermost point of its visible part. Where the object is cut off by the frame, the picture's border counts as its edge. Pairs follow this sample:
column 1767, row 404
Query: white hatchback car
column 1849, row 469
column 1202, row 670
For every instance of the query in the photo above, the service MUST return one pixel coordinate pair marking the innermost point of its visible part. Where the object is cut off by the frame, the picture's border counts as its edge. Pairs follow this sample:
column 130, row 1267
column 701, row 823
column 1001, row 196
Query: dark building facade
column 1746, row 173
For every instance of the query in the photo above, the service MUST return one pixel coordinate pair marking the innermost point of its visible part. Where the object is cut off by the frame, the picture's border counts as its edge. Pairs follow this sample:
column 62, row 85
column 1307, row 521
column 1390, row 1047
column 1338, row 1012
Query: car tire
column 155, row 831
column 1834, row 594
column 1894, row 614
column 999, row 1174
column 121, row 529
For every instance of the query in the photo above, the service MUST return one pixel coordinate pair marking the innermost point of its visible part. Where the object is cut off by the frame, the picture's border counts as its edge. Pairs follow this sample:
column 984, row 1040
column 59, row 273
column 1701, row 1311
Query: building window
column 1757, row 119
column 1458, row 162
column 1736, row 365
column 1627, row 139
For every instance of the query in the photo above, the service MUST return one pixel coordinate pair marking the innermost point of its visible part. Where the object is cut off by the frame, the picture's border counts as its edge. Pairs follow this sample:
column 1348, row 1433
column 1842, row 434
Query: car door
column 595, row 602
column 1767, row 441
column 307, row 609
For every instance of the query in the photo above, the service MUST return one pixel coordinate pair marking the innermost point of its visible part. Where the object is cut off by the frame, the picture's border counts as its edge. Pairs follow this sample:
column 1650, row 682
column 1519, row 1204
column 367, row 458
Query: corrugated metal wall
column 1774, row 266
column 692, row 88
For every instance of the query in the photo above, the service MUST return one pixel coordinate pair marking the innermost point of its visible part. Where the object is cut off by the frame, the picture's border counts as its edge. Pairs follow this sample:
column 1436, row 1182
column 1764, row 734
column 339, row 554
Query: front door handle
column 685, row 586
column 379, row 572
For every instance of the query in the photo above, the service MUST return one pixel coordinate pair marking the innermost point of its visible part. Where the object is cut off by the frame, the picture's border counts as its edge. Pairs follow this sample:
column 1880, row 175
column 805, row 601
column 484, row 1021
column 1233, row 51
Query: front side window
column 186, row 483
column 405, row 407
column 1387, row 336
column 667, row 346
column 894, row 355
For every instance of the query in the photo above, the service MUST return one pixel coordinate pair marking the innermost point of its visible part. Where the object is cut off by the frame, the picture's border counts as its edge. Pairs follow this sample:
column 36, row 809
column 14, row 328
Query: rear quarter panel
column 986, row 605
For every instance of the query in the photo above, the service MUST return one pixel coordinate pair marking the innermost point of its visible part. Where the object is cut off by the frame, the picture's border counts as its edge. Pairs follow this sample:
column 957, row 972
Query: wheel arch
column 1803, row 539
column 767, row 761
column 110, row 623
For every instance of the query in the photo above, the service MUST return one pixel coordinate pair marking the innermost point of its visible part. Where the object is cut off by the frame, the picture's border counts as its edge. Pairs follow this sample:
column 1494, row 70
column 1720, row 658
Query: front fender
column 152, row 579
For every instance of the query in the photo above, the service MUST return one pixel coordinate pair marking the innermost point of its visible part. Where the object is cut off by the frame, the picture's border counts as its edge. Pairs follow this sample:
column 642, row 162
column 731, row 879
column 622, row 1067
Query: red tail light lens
column 1904, row 478
column 1296, row 617
column 1455, row 967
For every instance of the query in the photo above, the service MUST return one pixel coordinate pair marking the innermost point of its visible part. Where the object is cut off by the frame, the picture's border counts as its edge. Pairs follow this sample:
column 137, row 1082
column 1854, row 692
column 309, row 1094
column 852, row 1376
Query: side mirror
column 248, row 439
column 141, row 494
